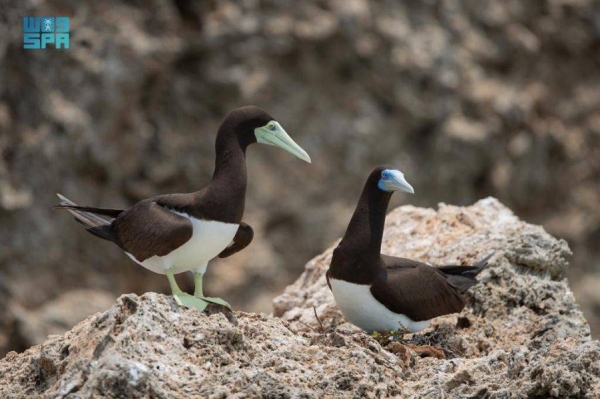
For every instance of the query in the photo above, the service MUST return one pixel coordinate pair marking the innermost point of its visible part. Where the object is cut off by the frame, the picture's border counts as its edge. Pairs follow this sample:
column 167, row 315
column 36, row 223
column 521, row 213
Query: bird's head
column 252, row 124
column 390, row 180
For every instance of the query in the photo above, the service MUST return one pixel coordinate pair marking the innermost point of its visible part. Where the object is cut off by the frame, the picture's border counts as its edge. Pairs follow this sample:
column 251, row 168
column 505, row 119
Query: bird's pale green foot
column 183, row 298
column 199, row 294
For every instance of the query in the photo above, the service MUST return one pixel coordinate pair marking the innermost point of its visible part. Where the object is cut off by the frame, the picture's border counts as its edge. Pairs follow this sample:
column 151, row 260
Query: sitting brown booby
column 175, row 233
column 384, row 293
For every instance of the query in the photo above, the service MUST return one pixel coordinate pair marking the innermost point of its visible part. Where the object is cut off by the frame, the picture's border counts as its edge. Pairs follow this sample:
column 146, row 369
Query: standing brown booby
column 383, row 293
column 175, row 233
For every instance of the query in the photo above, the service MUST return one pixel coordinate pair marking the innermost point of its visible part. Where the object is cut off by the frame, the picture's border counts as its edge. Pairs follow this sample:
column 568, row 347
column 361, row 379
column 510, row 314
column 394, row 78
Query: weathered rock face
column 147, row 346
column 522, row 334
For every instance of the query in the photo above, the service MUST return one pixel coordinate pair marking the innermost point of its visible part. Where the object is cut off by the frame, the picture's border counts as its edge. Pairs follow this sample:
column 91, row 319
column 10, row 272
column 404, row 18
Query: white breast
column 209, row 238
column 361, row 308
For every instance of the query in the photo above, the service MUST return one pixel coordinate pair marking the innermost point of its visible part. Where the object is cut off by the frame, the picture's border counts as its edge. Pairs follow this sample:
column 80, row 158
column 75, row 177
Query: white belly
column 209, row 238
column 361, row 308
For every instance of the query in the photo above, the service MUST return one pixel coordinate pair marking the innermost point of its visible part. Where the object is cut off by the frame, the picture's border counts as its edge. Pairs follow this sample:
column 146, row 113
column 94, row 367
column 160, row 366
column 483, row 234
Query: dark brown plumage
column 242, row 239
column 175, row 233
column 148, row 228
column 423, row 292
column 404, row 286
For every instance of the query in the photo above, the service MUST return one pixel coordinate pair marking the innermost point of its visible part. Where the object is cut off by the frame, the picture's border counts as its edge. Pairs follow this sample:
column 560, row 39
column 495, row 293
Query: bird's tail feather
column 88, row 218
column 66, row 203
column 464, row 277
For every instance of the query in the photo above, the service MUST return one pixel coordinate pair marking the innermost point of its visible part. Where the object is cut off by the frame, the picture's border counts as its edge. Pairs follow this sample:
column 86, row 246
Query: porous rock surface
column 522, row 334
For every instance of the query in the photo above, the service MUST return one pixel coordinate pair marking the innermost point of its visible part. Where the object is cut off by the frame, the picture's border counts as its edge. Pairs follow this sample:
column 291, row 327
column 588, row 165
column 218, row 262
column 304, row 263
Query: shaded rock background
column 521, row 336
column 469, row 99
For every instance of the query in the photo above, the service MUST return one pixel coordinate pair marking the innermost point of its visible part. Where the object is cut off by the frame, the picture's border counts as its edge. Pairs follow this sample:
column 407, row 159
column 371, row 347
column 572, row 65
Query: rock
column 522, row 334
column 148, row 347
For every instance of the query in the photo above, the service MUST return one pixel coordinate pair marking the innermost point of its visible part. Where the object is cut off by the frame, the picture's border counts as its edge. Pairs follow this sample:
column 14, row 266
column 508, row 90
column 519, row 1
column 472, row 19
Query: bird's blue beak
column 393, row 180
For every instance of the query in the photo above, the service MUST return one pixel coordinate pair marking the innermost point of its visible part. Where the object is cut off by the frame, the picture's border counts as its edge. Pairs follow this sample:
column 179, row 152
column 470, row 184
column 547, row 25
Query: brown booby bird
column 176, row 233
column 384, row 293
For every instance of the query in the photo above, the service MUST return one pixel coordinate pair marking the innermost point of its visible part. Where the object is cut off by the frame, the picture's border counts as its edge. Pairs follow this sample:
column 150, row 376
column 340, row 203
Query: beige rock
column 522, row 334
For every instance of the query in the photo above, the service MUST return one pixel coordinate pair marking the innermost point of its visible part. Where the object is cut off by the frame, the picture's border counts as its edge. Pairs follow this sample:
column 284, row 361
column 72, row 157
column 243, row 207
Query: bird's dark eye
column 272, row 127
column 384, row 175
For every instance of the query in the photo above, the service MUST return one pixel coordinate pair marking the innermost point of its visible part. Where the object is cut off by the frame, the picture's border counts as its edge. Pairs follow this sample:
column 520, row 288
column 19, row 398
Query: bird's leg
column 198, row 284
column 183, row 298
column 385, row 337
column 198, row 293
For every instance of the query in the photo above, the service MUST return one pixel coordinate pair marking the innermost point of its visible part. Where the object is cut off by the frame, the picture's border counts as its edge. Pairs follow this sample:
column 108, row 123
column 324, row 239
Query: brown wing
column 416, row 290
column 147, row 229
column 243, row 238
column 392, row 262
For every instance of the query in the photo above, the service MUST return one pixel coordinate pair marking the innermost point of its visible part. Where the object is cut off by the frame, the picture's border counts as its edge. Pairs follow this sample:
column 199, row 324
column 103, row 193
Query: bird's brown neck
column 357, row 258
column 365, row 230
column 227, row 190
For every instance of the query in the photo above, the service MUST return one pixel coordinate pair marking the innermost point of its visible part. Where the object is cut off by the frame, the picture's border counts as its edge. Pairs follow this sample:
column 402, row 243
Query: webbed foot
column 215, row 300
column 190, row 301
column 199, row 294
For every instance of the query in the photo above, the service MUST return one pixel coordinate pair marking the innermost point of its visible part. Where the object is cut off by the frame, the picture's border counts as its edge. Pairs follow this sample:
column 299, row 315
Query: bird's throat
column 365, row 230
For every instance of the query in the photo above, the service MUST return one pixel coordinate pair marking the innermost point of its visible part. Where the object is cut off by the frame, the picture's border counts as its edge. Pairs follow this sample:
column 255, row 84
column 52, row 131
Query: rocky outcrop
column 522, row 334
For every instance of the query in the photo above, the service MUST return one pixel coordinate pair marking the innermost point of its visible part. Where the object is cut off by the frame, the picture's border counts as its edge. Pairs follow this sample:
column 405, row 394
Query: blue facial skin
column 386, row 176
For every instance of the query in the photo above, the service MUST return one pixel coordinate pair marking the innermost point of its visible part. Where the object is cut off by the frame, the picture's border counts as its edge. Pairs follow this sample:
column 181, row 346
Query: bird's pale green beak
column 273, row 134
